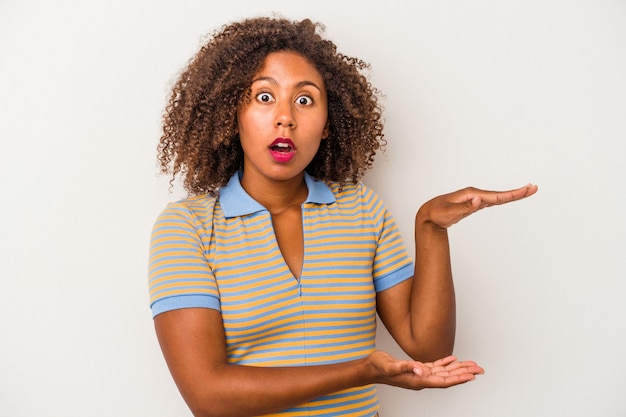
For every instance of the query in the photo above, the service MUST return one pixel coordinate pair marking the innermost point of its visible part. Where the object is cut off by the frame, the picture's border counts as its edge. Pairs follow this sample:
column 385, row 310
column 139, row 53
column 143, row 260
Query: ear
column 326, row 131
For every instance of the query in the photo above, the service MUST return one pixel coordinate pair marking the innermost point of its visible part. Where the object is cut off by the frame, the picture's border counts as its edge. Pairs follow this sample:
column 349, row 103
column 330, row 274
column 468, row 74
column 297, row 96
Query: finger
column 456, row 368
column 444, row 382
column 458, row 379
column 410, row 367
column 447, row 368
column 468, row 367
column 462, row 364
column 475, row 370
column 442, row 362
column 503, row 197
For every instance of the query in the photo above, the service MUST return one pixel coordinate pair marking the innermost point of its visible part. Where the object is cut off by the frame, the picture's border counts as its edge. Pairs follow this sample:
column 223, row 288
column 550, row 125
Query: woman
column 265, row 283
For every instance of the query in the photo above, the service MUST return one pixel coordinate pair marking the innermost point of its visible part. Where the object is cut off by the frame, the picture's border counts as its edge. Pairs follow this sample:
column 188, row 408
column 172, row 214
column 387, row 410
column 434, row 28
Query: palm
column 445, row 210
column 443, row 373
column 447, row 372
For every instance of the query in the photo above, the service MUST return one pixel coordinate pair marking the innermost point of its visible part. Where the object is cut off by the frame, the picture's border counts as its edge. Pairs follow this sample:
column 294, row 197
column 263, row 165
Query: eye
column 264, row 97
column 304, row 100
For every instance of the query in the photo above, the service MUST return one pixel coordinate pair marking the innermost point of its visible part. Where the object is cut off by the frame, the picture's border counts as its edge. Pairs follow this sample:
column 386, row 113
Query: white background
column 493, row 94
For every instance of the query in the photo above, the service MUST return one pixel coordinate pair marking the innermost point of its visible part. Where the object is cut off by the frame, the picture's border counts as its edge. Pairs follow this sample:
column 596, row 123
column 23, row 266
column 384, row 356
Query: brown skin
column 211, row 387
column 287, row 100
column 200, row 140
column 419, row 313
column 418, row 310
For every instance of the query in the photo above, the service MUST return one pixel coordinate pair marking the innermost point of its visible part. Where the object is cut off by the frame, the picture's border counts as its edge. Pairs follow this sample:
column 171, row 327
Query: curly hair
column 200, row 140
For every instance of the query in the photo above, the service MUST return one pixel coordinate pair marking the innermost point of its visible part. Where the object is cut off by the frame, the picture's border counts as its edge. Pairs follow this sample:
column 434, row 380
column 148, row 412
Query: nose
column 285, row 116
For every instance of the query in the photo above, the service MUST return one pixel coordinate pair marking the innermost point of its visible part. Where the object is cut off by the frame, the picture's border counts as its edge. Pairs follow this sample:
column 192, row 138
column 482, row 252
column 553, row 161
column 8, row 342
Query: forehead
column 289, row 65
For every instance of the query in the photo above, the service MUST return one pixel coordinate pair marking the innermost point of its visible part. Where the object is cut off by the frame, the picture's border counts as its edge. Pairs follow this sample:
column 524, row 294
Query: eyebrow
column 298, row 85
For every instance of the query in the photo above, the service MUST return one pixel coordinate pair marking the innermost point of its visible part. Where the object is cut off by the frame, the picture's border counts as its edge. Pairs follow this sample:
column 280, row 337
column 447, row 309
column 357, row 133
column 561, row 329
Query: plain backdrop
column 493, row 94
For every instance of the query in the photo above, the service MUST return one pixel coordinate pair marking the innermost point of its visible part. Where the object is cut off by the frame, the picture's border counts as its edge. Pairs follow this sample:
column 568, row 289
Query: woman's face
column 282, row 125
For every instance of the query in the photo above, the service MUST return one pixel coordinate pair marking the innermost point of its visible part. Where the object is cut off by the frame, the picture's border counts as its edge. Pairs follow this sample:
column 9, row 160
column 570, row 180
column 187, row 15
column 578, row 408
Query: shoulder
column 196, row 205
column 197, row 211
column 348, row 189
column 355, row 192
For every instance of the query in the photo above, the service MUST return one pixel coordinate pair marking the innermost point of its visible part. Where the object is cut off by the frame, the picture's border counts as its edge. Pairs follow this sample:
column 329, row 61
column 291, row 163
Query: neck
column 276, row 196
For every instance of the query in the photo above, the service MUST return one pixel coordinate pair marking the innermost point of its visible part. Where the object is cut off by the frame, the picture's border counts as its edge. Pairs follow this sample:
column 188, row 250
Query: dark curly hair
column 200, row 139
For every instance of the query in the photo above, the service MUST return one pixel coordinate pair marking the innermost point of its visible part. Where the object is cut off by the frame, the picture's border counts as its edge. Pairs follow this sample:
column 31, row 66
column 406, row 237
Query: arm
column 420, row 312
column 193, row 343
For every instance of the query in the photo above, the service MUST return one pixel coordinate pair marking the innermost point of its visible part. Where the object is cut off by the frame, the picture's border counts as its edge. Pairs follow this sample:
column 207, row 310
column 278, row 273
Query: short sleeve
column 392, row 263
column 179, row 274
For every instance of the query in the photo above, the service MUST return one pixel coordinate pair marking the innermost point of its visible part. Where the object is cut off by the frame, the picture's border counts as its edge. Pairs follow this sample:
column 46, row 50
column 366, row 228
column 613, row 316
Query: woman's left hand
column 445, row 210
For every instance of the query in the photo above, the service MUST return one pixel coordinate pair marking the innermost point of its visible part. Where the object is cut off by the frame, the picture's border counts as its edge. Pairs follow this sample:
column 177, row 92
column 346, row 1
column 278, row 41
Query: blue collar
column 235, row 201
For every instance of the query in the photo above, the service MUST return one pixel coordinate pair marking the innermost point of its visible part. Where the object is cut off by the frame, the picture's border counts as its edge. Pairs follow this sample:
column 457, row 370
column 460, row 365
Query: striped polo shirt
column 221, row 253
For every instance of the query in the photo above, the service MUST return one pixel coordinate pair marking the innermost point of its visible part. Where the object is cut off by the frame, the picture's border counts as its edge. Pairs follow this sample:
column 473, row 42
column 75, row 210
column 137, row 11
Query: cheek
column 250, row 121
column 324, row 127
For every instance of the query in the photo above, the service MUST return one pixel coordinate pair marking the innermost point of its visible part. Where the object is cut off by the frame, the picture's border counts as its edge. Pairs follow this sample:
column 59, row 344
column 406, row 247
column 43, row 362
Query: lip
column 284, row 154
column 285, row 141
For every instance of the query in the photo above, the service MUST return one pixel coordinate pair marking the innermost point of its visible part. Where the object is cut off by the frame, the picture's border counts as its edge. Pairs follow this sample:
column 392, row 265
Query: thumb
column 473, row 203
column 419, row 369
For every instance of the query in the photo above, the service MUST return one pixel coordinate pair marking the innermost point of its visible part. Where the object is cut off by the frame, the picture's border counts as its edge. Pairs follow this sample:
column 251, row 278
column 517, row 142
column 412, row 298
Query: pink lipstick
column 282, row 150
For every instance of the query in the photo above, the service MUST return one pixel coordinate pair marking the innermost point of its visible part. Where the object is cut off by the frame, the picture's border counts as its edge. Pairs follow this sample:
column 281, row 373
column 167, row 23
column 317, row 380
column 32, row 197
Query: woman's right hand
column 442, row 373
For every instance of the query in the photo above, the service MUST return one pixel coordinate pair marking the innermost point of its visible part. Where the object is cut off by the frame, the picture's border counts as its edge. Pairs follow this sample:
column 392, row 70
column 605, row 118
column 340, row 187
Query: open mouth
column 281, row 147
column 282, row 150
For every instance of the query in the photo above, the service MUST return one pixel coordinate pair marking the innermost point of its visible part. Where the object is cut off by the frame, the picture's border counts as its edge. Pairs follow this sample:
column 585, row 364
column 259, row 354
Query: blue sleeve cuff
column 398, row 276
column 184, row 301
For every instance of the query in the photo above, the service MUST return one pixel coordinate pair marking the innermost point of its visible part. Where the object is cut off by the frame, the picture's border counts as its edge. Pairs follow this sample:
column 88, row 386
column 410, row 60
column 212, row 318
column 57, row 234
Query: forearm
column 420, row 313
column 433, row 312
column 232, row 390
